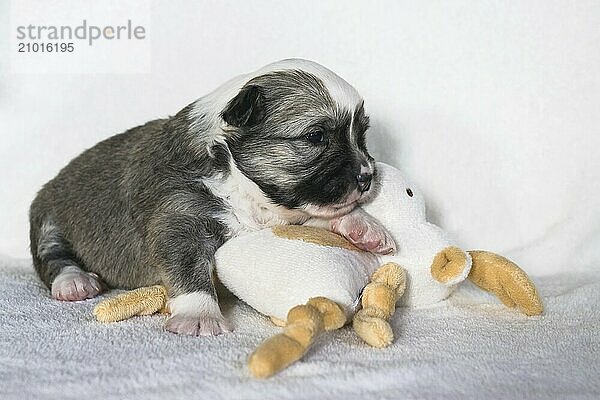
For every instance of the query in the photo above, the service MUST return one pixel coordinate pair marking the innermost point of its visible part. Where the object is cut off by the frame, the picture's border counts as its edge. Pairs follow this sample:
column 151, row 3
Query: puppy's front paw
column 197, row 326
column 364, row 232
column 196, row 314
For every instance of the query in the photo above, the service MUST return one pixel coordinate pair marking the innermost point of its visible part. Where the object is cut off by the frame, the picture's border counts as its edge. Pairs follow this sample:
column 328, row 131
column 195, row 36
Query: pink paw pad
column 73, row 284
column 197, row 326
column 365, row 233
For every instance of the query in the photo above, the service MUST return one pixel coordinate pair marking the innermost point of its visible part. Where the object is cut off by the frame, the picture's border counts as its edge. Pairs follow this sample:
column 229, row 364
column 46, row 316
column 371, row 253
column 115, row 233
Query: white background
column 492, row 107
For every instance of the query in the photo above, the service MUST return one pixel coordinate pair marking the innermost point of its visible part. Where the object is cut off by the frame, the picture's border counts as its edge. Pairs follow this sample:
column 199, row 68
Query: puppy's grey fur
column 152, row 205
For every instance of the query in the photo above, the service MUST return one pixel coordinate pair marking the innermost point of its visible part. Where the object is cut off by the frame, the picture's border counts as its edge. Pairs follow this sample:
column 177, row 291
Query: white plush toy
column 288, row 272
column 312, row 280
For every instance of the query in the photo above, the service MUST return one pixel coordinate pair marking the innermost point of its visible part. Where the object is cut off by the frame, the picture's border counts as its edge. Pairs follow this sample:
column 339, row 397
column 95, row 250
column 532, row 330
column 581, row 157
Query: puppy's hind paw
column 74, row 284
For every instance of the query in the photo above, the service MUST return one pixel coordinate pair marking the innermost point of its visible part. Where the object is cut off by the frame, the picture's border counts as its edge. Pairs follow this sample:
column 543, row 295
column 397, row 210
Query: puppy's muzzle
column 363, row 181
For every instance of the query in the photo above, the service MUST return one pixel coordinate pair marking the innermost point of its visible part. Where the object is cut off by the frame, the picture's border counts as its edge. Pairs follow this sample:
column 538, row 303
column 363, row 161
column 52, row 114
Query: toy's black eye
column 315, row 137
column 409, row 192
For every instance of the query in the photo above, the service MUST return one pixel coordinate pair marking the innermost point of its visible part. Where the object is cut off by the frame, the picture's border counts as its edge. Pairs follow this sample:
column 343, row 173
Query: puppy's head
column 301, row 138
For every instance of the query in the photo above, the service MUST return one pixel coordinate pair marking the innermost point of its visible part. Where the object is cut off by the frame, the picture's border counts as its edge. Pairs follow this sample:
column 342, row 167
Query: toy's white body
column 273, row 274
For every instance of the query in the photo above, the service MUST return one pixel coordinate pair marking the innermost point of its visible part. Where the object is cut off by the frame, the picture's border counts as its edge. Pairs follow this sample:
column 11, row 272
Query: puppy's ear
column 246, row 109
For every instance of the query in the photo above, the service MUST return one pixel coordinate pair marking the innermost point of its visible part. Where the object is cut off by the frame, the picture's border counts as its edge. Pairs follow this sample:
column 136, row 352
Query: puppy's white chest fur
column 247, row 207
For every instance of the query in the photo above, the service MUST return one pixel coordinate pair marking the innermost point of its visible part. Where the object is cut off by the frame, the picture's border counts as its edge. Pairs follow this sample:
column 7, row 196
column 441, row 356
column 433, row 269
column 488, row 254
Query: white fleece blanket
column 467, row 347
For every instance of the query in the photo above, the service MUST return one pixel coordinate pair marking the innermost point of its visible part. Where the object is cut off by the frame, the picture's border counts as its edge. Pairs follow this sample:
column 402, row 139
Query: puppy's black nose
column 364, row 181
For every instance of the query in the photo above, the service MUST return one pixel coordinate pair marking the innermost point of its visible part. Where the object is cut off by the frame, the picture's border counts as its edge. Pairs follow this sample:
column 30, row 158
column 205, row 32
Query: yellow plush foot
column 498, row 275
column 374, row 330
column 333, row 315
column 392, row 275
column 141, row 301
column 273, row 355
column 449, row 265
column 378, row 304
column 304, row 324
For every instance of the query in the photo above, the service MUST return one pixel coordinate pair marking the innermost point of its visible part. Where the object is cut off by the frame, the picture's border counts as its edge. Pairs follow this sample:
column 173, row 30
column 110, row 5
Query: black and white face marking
column 305, row 149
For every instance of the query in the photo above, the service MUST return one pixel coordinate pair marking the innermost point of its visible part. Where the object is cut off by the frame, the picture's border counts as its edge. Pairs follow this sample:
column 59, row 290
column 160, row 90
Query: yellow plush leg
column 378, row 304
column 304, row 324
column 141, row 301
column 505, row 279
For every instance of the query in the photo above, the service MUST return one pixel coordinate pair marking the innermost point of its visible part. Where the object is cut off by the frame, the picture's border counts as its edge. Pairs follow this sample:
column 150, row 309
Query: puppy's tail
column 49, row 249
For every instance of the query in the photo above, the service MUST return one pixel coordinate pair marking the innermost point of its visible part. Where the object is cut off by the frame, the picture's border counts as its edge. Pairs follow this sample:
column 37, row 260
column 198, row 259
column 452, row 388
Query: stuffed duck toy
column 309, row 280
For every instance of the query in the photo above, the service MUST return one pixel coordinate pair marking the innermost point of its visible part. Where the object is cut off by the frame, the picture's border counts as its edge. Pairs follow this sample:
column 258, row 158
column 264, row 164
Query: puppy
column 282, row 145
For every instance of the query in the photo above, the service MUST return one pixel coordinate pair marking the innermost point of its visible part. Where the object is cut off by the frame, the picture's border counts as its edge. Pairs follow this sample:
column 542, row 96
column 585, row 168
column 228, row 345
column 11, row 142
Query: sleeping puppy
column 282, row 145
